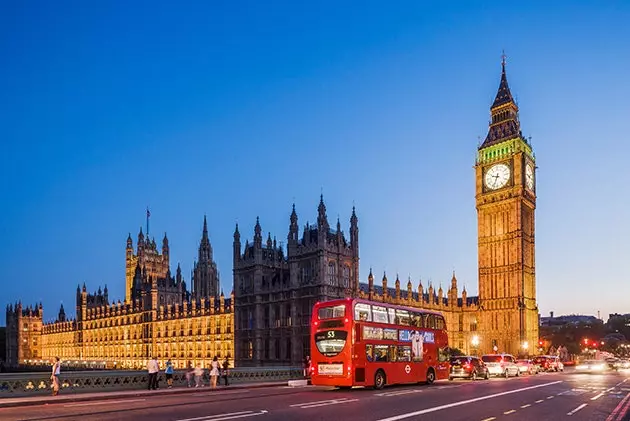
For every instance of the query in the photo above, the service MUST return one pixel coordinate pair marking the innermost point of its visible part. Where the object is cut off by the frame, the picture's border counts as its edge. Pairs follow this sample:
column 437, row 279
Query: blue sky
column 237, row 109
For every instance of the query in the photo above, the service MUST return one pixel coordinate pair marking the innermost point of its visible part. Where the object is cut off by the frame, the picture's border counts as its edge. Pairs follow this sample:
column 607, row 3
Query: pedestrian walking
column 153, row 368
column 214, row 371
column 198, row 375
column 169, row 373
column 54, row 376
column 190, row 373
column 307, row 367
column 226, row 366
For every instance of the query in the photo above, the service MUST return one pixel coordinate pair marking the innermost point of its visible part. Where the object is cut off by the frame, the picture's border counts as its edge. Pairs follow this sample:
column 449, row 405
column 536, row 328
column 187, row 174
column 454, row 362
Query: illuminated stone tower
column 147, row 258
column 505, row 201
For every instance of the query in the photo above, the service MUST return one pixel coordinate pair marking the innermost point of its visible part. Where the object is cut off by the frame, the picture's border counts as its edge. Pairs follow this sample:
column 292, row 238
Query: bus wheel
column 379, row 380
column 430, row 376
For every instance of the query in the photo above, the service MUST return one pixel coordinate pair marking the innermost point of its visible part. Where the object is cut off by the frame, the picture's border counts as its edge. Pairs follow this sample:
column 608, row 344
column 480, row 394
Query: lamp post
column 475, row 343
column 525, row 346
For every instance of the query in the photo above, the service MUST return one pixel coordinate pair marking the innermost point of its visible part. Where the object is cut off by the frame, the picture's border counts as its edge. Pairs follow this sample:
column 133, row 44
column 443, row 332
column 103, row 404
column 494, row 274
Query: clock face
column 529, row 176
column 497, row 176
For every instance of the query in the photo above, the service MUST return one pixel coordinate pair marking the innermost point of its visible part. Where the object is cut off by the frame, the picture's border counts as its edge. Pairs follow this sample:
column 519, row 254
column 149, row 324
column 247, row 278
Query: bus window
column 393, row 353
column 430, row 321
column 404, row 353
column 443, row 355
column 380, row 353
column 362, row 312
column 416, row 320
column 403, row 317
column 392, row 316
column 440, row 324
column 369, row 352
column 379, row 314
column 335, row 312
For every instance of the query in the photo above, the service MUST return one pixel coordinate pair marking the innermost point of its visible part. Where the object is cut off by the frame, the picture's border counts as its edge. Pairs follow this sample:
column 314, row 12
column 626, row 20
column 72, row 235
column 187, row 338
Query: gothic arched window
column 331, row 273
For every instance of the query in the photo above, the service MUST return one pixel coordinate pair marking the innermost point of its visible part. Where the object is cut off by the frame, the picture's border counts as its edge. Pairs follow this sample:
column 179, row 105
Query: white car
column 501, row 365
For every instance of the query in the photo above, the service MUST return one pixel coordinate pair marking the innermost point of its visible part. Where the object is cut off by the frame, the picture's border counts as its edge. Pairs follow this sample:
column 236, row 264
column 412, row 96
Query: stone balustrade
column 32, row 384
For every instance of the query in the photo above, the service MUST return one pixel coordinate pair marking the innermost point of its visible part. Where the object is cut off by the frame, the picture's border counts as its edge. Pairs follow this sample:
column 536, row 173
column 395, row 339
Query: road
column 544, row 397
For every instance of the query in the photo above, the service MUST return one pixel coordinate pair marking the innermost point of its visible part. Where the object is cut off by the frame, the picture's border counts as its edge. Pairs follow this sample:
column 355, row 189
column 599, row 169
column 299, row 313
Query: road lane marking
column 526, row 406
column 464, row 402
column 227, row 416
column 317, row 404
column 490, row 419
column 550, row 397
column 511, row 411
column 594, row 398
column 618, row 413
column 576, row 409
column 539, row 401
column 397, row 393
column 103, row 402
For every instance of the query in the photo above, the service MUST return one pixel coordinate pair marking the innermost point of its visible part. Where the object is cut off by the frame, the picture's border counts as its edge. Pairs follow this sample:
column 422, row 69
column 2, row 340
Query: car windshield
column 459, row 360
column 491, row 358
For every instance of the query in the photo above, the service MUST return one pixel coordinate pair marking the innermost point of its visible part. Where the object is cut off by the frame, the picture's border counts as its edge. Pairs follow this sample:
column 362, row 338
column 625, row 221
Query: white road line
column 511, row 411
column 316, row 402
column 550, row 397
column 227, row 416
column 464, row 402
column 576, row 409
column 526, row 406
column 397, row 393
column 106, row 402
column 489, row 419
column 539, row 401
column 328, row 403
column 594, row 398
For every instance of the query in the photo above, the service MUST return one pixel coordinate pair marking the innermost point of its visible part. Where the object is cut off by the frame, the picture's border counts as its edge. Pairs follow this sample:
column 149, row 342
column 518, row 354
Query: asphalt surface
column 543, row 397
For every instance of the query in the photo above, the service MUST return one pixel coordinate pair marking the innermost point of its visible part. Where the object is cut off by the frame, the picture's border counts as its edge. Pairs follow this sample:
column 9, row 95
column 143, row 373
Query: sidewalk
column 99, row 396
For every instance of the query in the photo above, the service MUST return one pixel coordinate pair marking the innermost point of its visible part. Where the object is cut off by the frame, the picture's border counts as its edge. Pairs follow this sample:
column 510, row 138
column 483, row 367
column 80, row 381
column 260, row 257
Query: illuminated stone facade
column 158, row 317
column 506, row 202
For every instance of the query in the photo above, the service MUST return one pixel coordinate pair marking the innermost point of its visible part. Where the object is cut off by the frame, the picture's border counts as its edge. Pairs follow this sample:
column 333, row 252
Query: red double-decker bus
column 357, row 342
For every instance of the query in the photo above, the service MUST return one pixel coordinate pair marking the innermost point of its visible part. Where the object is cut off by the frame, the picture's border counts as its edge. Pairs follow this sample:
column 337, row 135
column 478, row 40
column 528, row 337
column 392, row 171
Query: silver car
column 501, row 365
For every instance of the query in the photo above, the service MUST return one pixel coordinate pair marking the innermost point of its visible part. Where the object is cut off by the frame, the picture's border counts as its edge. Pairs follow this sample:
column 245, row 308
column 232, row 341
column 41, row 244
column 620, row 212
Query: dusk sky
column 239, row 109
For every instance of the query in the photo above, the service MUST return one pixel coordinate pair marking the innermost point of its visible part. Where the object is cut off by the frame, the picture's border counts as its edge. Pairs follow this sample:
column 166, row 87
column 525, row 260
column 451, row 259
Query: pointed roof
column 205, row 228
column 504, row 95
column 504, row 124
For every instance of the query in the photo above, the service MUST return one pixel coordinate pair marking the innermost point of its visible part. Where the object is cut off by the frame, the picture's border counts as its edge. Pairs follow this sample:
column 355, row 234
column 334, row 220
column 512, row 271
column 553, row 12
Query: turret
column 409, row 289
column 371, row 282
column 269, row 241
column 257, row 234
column 322, row 220
column 61, row 317
column 292, row 238
column 354, row 232
column 397, row 284
column 140, row 242
column 236, row 245
column 165, row 248
column 385, row 291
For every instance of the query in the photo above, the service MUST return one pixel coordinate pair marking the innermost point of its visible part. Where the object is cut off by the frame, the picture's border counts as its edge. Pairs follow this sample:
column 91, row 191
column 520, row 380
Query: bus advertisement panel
column 357, row 342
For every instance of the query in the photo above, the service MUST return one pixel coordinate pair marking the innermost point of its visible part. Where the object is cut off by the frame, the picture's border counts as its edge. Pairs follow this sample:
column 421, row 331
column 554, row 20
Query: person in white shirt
column 54, row 376
column 153, row 369
column 417, row 343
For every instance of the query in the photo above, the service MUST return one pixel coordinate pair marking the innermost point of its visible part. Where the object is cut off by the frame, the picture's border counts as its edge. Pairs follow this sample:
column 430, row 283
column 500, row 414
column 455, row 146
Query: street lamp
column 475, row 343
column 525, row 346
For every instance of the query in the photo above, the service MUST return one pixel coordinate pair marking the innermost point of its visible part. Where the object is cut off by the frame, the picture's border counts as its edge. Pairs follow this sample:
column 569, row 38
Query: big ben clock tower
column 506, row 199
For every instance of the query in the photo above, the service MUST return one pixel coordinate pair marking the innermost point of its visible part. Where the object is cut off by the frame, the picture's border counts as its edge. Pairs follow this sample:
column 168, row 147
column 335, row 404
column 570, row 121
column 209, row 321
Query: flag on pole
column 148, row 213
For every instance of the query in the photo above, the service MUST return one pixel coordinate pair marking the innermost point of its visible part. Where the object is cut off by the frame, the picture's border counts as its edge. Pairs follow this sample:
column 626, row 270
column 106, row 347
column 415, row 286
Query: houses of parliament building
column 266, row 321
column 159, row 317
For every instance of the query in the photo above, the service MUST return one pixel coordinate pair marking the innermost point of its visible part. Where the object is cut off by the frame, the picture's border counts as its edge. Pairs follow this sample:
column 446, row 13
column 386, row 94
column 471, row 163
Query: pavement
column 543, row 397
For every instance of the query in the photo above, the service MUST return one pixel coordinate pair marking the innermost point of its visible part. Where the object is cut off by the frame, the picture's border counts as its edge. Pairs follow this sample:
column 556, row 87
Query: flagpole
column 148, row 214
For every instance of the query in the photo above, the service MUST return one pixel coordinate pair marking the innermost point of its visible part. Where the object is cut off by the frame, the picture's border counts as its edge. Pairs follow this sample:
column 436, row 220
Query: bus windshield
column 335, row 312
column 331, row 342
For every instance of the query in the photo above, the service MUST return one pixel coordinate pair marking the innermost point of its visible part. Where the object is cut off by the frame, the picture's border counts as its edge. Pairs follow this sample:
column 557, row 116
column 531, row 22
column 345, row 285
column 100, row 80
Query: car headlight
column 599, row 367
column 581, row 367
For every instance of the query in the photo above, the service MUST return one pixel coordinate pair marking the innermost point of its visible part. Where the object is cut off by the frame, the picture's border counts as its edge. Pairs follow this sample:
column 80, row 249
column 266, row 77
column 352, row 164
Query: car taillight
column 466, row 365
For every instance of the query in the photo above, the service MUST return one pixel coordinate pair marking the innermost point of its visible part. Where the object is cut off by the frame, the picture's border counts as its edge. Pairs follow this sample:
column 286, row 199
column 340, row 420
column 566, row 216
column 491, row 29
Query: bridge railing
column 32, row 384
